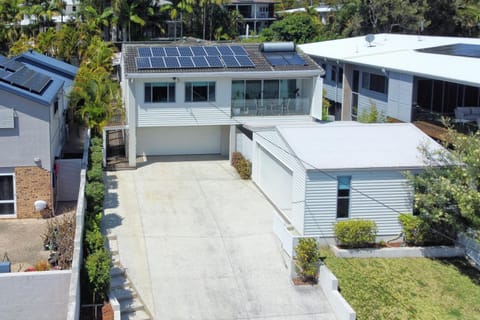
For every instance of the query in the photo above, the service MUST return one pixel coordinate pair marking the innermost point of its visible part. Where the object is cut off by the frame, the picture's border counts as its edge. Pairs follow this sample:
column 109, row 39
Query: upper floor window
column 343, row 197
column 7, row 194
column 159, row 92
column 199, row 91
column 374, row 82
column 336, row 74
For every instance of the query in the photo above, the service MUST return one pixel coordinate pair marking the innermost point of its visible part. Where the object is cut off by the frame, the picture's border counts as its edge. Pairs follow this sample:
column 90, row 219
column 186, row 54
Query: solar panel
column 144, row 52
column 185, row 51
column 239, row 51
column 172, row 51
column 21, row 76
column 4, row 73
column 198, row 51
column 225, row 51
column 214, row 62
column 186, row 62
column 143, row 63
column 171, row 62
column 38, row 83
column 293, row 59
column 200, row 62
column 230, row 61
column 157, row 62
column 276, row 59
column 457, row 49
column 212, row 51
column 13, row 65
column 245, row 61
column 158, row 52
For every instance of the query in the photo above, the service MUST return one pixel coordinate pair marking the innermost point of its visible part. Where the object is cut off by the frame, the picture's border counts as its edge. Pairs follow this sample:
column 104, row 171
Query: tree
column 297, row 27
column 176, row 10
column 454, row 17
column 448, row 190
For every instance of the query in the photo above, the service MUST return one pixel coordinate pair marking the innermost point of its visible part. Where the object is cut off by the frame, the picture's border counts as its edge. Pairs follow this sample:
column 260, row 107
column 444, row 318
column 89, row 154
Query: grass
column 408, row 288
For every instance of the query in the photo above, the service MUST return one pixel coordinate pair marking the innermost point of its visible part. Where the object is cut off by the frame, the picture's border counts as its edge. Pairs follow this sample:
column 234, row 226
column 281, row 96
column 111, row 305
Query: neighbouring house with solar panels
column 33, row 104
column 203, row 98
column 407, row 77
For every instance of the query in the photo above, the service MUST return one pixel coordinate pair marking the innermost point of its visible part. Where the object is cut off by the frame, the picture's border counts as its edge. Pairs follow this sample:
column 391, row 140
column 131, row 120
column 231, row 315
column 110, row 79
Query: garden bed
column 399, row 252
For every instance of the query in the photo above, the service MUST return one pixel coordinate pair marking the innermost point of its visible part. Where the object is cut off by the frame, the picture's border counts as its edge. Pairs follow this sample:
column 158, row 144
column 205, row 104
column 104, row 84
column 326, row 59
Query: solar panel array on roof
column 17, row 74
column 457, row 49
column 284, row 58
column 192, row 57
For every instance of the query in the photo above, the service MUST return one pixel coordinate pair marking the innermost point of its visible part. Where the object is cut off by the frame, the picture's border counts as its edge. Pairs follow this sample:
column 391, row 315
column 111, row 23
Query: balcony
column 270, row 107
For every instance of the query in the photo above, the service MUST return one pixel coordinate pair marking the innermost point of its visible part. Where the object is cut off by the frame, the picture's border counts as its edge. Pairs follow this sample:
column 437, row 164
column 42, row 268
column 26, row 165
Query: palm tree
column 177, row 9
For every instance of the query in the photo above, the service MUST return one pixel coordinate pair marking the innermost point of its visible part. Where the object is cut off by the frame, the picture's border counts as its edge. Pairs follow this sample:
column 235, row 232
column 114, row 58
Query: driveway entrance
column 198, row 243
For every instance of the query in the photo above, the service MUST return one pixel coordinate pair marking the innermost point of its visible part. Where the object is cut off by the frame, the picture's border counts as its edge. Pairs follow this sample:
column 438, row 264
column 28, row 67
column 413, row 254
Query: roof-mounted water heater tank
column 277, row 47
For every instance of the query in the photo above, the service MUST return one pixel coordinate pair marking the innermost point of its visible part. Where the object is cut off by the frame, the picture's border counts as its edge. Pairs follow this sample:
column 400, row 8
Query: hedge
column 356, row 233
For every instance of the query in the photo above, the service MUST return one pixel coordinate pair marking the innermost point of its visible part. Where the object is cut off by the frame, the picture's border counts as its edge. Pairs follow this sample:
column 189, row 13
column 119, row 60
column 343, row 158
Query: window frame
column 342, row 198
column 170, row 86
column 190, row 88
column 368, row 84
column 12, row 201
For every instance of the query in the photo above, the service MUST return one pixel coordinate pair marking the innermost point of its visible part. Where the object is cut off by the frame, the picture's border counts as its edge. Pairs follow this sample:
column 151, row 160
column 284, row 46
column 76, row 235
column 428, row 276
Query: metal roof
column 130, row 53
column 400, row 53
column 47, row 63
column 352, row 145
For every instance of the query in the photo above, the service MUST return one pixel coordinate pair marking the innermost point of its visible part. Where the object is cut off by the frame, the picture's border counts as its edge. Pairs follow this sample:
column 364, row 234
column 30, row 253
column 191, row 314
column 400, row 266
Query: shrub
column 97, row 267
column 243, row 166
column 95, row 148
column 96, row 157
column 96, row 141
column 94, row 240
column 307, row 256
column 59, row 237
column 418, row 231
column 356, row 233
column 95, row 173
column 95, row 194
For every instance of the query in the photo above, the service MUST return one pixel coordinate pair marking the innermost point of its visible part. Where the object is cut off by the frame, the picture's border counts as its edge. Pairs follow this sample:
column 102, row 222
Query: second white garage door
column 181, row 140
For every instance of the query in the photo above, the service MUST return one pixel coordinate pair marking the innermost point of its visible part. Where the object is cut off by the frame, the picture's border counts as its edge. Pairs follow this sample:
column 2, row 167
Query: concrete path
column 197, row 242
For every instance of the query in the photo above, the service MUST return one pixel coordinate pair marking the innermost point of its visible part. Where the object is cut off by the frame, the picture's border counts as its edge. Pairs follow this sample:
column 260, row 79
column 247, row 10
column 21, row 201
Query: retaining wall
column 472, row 248
column 329, row 284
column 403, row 252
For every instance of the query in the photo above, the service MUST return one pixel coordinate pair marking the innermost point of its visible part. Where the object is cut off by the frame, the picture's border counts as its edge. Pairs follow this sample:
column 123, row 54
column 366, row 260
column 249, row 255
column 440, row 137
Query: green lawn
column 408, row 288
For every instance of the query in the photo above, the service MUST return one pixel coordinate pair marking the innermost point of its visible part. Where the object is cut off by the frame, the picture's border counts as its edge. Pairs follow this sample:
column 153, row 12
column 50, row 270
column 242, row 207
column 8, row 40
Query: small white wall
column 317, row 103
column 244, row 145
column 400, row 93
column 34, row 295
column 329, row 284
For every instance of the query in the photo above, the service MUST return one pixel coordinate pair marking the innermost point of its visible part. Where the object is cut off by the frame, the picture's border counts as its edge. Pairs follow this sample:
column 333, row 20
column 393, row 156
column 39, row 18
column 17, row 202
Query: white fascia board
column 253, row 75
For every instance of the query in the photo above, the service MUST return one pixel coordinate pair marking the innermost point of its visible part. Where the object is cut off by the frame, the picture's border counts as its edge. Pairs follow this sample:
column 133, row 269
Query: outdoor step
column 114, row 271
column 119, row 282
column 137, row 315
column 130, row 306
column 126, row 293
column 113, row 246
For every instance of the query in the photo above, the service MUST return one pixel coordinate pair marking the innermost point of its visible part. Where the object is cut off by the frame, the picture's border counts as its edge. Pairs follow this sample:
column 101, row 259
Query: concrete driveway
column 198, row 244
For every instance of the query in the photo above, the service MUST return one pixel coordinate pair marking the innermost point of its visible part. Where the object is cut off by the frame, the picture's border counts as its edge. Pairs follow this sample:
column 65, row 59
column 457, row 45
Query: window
column 333, row 74
column 343, row 197
column 7, row 195
column 374, row 82
column 159, row 92
column 74, row 8
column 199, row 91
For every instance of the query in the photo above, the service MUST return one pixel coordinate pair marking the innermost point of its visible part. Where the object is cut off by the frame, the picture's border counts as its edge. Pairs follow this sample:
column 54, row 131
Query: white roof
column 397, row 52
column 353, row 145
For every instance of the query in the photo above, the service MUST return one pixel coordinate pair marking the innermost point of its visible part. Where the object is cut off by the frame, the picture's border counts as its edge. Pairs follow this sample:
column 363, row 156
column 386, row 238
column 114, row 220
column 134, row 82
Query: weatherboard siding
column 375, row 195
column 274, row 144
column 400, row 93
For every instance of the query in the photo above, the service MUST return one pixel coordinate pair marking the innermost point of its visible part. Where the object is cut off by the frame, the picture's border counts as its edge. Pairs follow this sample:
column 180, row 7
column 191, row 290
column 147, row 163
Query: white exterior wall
column 317, row 103
column 262, row 138
column 387, row 187
column 400, row 94
column 244, row 145
column 180, row 112
column 57, row 129
column 333, row 90
column 367, row 97
column 34, row 295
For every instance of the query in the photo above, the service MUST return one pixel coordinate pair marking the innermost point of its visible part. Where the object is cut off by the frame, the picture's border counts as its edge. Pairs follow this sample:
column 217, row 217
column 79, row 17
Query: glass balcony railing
column 270, row 107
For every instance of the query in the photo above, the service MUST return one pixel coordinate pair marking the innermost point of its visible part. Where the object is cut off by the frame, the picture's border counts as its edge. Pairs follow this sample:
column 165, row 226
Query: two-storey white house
column 191, row 98
column 407, row 77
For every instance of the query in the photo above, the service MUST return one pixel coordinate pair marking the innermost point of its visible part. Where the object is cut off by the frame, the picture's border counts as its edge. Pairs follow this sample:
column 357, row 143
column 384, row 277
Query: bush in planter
column 243, row 166
column 307, row 257
column 356, row 233
column 96, row 157
column 419, row 231
column 95, row 194
column 95, row 173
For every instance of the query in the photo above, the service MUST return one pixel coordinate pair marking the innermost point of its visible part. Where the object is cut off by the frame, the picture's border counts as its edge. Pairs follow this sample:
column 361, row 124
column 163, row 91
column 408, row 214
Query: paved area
column 198, row 244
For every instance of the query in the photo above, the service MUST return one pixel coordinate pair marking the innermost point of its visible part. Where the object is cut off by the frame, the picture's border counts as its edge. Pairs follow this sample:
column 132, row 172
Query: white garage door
column 179, row 140
column 274, row 179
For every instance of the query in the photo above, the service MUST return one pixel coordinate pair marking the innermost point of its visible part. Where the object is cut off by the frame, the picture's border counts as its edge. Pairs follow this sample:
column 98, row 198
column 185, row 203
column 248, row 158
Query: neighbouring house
column 317, row 175
column 193, row 98
column 407, row 77
column 256, row 14
column 33, row 102
column 324, row 12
